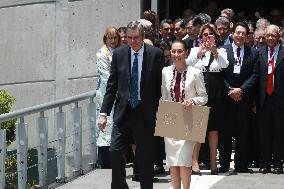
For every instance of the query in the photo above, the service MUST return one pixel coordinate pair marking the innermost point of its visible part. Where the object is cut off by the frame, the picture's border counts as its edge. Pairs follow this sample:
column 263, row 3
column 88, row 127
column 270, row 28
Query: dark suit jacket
column 118, row 86
column 262, row 69
column 189, row 44
column 247, row 78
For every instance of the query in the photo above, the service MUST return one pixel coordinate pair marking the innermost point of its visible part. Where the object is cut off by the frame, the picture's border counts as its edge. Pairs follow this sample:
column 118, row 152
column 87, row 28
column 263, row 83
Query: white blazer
column 201, row 63
column 194, row 85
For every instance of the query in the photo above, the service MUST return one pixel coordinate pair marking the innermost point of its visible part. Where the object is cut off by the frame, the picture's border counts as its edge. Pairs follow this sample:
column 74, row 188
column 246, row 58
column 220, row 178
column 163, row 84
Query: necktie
column 133, row 102
column 238, row 55
column 177, row 87
column 269, row 86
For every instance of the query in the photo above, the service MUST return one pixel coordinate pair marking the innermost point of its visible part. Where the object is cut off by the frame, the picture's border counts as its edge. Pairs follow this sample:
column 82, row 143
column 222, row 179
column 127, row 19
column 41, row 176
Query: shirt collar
column 140, row 52
column 235, row 46
column 276, row 48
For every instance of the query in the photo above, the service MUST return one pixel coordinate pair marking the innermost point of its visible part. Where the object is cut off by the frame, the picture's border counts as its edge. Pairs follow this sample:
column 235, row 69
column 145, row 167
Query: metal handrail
column 45, row 106
column 42, row 133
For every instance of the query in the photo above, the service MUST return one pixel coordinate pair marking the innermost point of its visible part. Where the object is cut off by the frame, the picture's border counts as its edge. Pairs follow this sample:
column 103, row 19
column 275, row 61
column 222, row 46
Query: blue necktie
column 134, row 83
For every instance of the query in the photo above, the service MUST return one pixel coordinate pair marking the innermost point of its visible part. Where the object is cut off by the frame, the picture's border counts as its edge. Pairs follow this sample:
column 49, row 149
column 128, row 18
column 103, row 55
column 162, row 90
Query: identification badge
column 237, row 69
column 269, row 69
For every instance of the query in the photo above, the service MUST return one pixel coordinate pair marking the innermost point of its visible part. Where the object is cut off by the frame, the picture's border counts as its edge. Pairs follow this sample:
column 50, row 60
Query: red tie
column 196, row 43
column 177, row 87
column 269, row 86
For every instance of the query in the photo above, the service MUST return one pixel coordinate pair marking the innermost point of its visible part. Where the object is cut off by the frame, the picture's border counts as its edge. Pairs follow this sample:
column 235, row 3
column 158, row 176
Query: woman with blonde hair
column 111, row 40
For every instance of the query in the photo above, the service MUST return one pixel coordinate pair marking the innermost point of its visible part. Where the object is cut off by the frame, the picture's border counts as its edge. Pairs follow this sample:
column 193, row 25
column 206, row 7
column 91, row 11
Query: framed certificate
column 175, row 122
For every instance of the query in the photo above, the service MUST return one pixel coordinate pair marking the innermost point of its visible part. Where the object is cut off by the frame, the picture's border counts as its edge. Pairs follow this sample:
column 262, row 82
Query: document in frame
column 174, row 122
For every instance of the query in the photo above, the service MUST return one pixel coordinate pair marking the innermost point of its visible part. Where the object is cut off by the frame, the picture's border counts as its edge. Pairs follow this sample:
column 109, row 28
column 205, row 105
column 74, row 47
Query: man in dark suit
column 167, row 31
column 240, row 80
column 270, row 101
column 193, row 26
column 134, row 85
column 223, row 27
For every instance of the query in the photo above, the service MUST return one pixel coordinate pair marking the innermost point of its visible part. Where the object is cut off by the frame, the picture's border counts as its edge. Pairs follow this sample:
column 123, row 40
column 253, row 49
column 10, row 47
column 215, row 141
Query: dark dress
column 215, row 88
column 214, row 83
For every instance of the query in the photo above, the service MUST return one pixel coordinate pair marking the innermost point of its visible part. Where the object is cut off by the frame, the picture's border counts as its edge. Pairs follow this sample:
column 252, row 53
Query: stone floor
column 101, row 179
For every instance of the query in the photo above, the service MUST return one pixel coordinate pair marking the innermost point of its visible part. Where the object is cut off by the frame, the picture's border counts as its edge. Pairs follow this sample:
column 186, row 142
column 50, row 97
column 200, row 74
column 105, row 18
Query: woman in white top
column 211, row 61
column 184, row 84
column 111, row 40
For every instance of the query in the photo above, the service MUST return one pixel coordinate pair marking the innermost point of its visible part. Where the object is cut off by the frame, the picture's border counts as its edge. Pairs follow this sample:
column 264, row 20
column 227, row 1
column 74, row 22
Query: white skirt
column 178, row 152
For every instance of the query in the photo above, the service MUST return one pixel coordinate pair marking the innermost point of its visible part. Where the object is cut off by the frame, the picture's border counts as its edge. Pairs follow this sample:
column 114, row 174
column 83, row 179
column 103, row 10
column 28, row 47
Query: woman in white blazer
column 184, row 84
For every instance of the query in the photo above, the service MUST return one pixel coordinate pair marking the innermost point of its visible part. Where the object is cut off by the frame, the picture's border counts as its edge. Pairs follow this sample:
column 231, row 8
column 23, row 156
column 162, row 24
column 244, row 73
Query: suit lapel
column 231, row 54
column 247, row 53
column 129, row 66
column 264, row 56
column 145, row 62
column 280, row 56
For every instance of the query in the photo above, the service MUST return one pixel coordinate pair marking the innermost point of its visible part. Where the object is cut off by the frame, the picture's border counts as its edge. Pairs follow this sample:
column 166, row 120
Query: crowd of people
column 234, row 66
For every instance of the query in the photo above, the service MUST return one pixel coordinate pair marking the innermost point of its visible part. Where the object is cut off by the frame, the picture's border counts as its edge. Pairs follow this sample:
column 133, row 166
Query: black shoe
column 137, row 179
column 277, row 170
column 254, row 164
column 104, row 166
column 203, row 166
column 222, row 170
column 214, row 172
column 264, row 170
column 245, row 170
column 159, row 170
column 196, row 172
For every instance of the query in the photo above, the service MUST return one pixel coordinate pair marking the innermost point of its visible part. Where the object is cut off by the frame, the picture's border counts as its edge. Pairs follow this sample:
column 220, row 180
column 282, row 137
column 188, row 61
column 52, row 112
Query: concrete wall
column 48, row 47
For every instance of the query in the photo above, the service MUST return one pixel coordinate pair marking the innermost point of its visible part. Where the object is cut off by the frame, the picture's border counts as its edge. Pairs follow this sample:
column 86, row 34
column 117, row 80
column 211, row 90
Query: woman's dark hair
column 164, row 45
column 181, row 42
column 211, row 27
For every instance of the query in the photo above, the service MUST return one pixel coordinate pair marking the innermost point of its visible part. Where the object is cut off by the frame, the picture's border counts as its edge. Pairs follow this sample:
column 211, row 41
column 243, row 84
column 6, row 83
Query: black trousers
column 159, row 151
column 271, row 130
column 132, row 126
column 103, row 157
column 253, row 141
column 237, row 125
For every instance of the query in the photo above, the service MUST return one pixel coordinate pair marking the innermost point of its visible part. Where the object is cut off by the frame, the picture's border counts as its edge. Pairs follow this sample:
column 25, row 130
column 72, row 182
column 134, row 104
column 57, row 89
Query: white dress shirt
column 241, row 52
column 275, row 54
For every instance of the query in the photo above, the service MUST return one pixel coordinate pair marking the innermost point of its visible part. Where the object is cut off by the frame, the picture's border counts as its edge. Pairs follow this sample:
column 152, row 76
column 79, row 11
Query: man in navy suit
column 136, row 96
column 240, row 80
column 270, row 102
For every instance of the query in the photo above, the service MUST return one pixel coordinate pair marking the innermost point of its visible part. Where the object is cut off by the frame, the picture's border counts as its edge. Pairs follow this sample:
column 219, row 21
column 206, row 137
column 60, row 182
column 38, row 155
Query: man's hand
column 102, row 122
column 236, row 94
